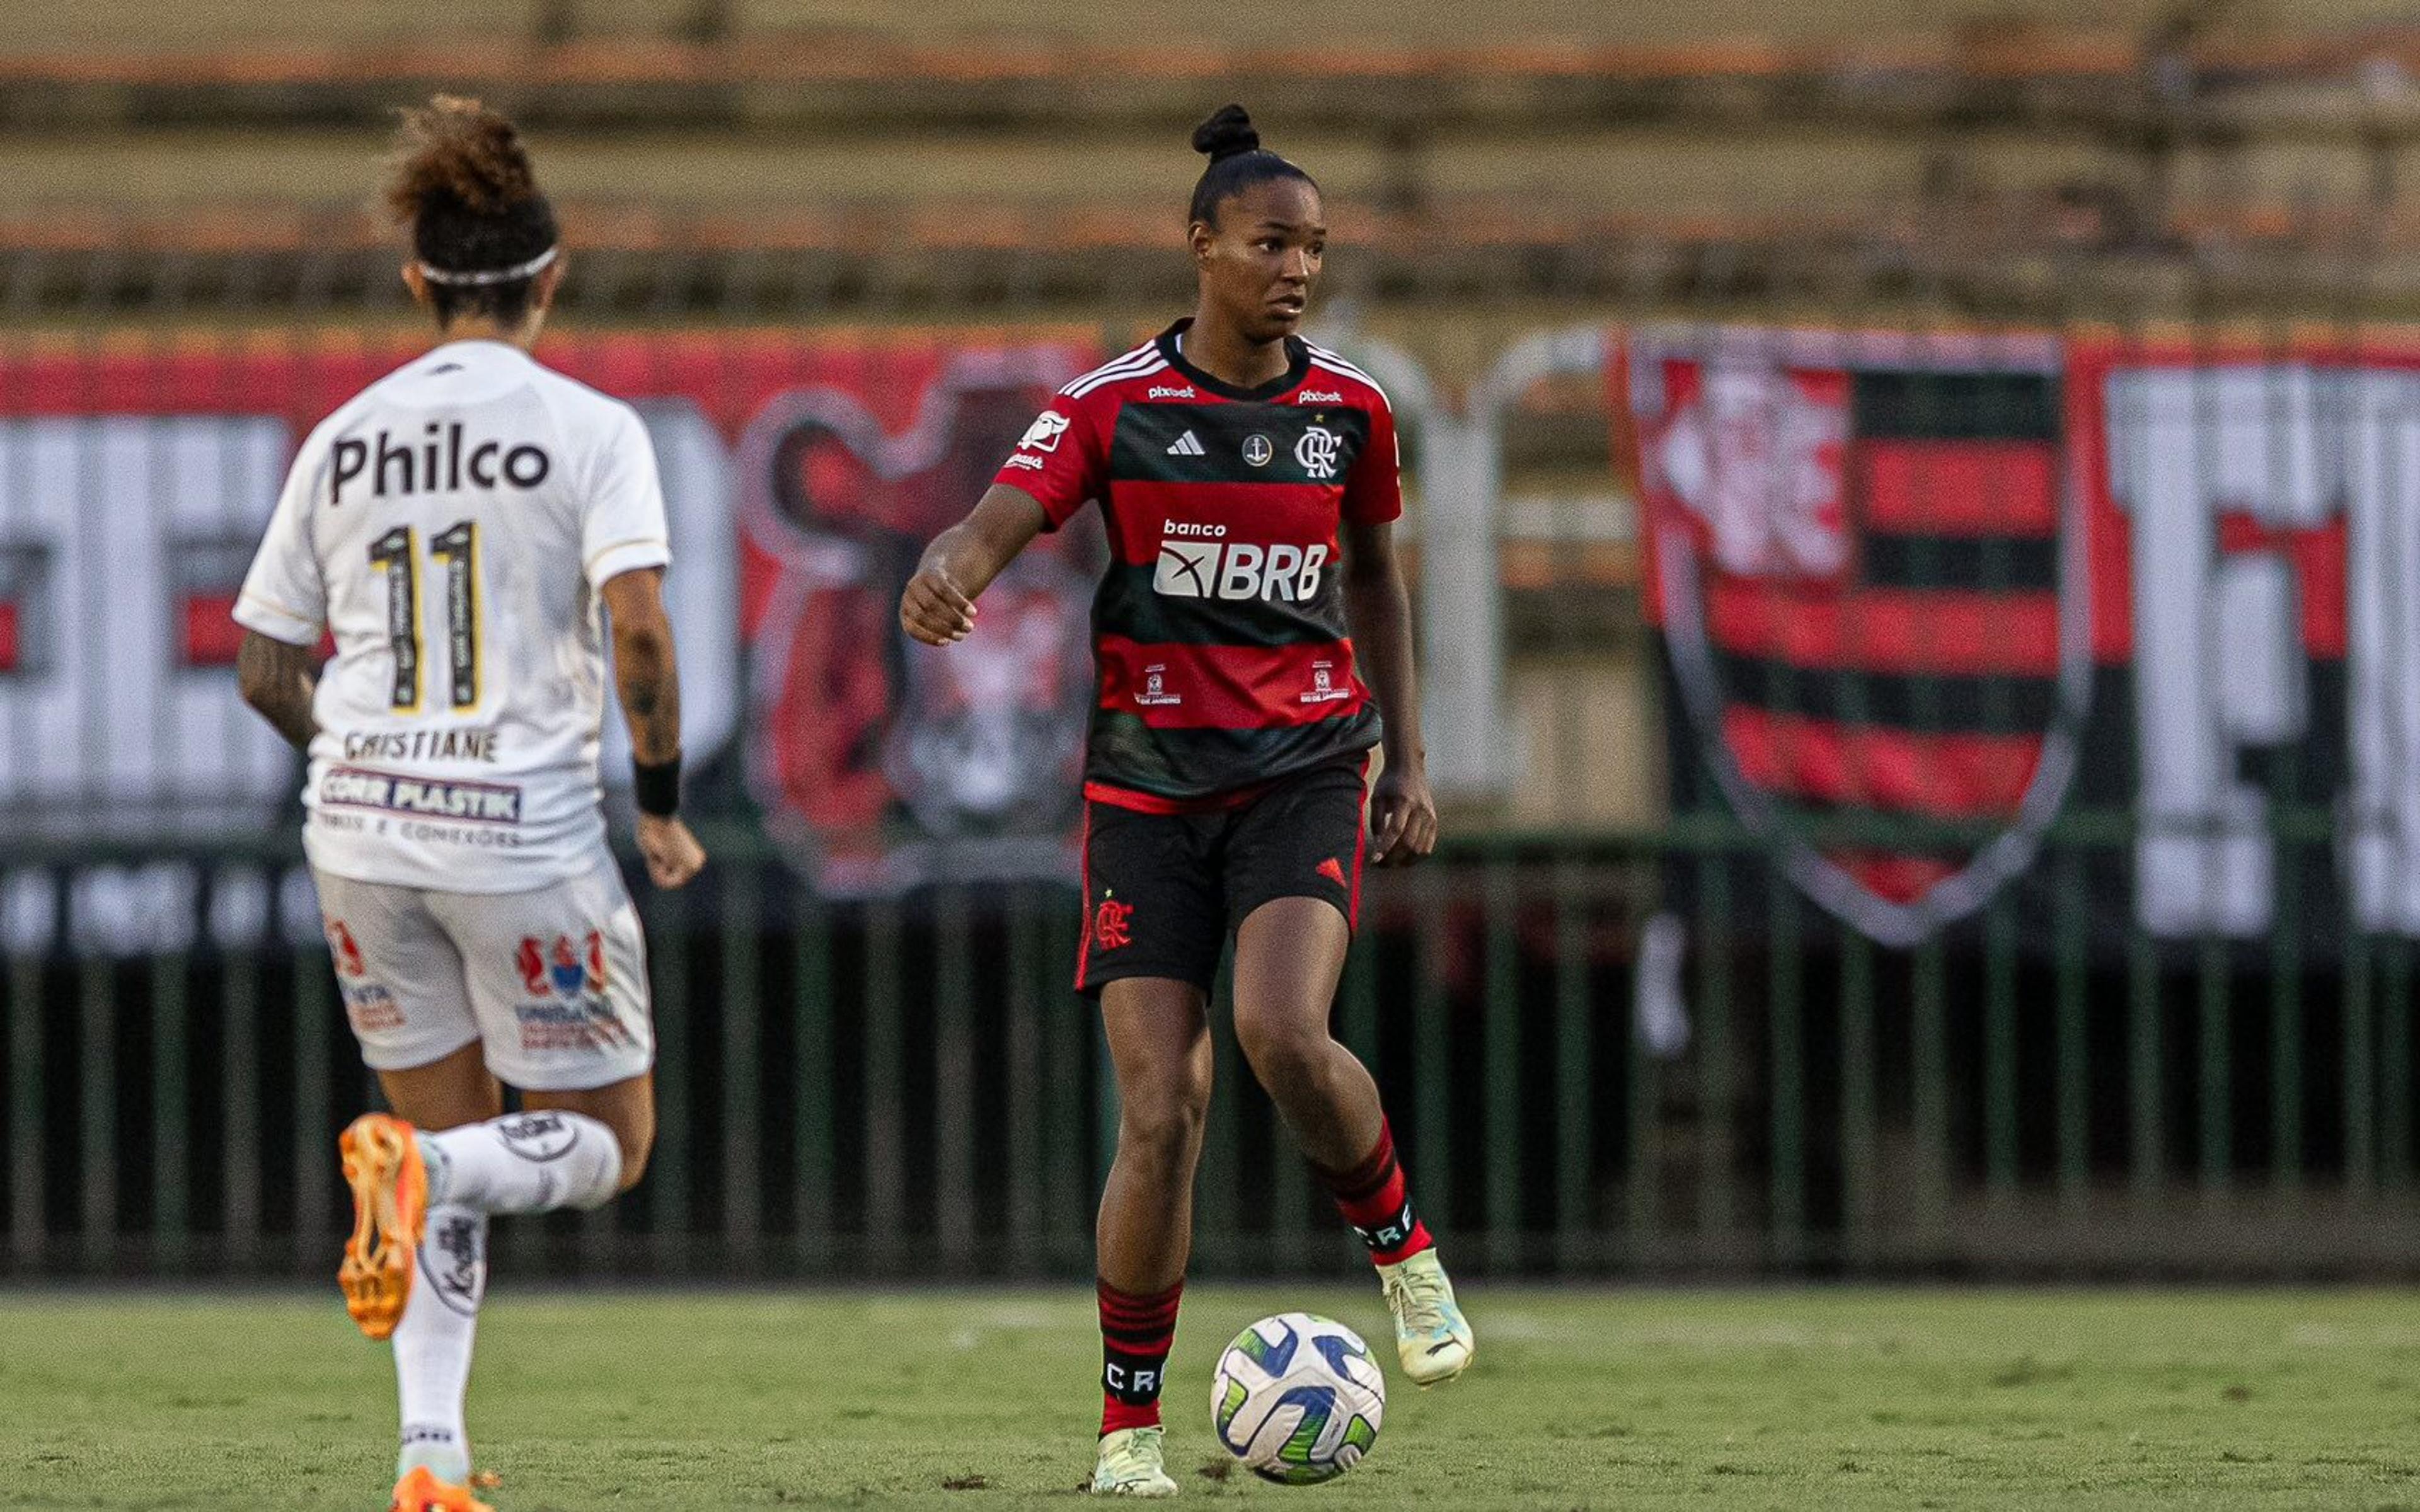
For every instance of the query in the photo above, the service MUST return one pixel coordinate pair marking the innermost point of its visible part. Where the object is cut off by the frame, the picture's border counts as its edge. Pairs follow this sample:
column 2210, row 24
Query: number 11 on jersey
column 457, row 548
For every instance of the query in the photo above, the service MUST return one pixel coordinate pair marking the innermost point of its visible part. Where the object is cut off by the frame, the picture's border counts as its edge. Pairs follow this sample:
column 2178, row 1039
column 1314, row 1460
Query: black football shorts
column 1162, row 891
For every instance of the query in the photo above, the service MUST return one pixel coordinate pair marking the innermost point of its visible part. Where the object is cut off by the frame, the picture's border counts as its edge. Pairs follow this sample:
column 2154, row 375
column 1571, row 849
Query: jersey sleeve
column 1060, row 460
column 284, row 594
column 622, row 525
column 1374, row 490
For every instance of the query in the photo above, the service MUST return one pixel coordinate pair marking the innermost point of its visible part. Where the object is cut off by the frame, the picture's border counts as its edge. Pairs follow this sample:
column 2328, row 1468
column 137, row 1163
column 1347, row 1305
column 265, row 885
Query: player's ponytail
column 481, row 230
column 1237, row 161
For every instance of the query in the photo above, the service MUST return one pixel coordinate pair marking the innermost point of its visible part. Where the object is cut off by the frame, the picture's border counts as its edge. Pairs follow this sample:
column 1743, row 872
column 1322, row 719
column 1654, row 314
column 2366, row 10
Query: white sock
column 524, row 1162
column 432, row 1343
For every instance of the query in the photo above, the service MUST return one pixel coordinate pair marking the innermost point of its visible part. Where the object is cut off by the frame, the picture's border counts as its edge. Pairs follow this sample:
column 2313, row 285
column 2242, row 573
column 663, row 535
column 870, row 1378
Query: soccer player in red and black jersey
column 1249, row 482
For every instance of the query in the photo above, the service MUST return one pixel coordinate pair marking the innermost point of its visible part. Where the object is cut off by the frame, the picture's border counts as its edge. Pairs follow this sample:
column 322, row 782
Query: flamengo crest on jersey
column 450, row 528
column 1219, row 631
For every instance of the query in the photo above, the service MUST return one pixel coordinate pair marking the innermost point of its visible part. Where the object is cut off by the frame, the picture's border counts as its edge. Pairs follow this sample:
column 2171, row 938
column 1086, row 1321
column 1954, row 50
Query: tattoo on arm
column 279, row 680
column 645, row 671
column 651, row 702
column 651, row 689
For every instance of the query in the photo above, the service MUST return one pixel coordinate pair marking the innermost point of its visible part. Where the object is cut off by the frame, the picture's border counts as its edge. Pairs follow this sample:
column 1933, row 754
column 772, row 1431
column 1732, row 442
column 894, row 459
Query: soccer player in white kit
column 456, row 527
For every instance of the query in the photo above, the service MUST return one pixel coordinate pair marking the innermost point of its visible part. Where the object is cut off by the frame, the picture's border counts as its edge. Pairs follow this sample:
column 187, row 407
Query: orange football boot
column 422, row 1492
column 390, row 1206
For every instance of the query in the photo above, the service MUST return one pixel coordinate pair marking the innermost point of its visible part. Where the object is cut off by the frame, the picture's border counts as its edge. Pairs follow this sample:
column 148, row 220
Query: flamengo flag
column 1859, row 555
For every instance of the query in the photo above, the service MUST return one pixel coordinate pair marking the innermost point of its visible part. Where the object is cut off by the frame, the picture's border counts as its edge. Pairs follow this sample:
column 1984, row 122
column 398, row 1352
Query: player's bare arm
column 1402, row 814
column 279, row 680
column 649, row 679
column 938, row 607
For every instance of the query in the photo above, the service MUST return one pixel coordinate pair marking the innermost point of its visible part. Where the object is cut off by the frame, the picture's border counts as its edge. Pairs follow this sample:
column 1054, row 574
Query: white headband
column 491, row 275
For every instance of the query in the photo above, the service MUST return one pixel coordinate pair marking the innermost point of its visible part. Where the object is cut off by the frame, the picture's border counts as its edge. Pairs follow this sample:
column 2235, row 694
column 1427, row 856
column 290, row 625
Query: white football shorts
column 553, row 983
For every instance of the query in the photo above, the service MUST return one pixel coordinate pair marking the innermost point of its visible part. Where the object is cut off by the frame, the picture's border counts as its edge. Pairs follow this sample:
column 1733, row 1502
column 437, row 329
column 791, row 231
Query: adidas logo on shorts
column 1187, row 445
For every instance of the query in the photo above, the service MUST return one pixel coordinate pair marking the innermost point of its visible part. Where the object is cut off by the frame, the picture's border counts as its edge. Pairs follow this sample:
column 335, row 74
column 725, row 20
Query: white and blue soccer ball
column 1297, row 1399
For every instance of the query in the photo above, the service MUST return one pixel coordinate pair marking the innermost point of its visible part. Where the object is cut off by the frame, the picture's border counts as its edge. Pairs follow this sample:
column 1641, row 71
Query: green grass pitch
column 969, row 1400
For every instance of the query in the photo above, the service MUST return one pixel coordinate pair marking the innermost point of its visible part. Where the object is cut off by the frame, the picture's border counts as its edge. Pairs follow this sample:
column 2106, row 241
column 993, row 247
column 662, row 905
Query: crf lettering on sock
column 1136, row 1335
column 1375, row 1199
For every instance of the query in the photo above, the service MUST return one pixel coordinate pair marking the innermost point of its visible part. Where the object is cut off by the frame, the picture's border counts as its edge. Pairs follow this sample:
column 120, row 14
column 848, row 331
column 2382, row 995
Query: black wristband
column 659, row 787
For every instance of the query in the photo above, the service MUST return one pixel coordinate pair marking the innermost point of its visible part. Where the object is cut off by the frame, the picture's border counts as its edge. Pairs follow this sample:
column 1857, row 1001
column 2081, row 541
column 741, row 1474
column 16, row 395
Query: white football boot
column 1432, row 1337
column 1130, row 1465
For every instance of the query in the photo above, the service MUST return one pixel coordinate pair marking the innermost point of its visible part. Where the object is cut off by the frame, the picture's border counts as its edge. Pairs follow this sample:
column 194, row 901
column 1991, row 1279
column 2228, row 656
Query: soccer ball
column 1297, row 1399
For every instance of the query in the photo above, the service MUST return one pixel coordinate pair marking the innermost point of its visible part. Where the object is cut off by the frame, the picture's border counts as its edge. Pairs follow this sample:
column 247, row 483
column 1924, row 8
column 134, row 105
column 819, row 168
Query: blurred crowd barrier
column 1920, row 800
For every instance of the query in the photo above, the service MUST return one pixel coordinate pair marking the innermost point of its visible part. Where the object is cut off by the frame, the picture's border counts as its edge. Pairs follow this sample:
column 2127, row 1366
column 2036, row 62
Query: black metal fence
column 907, row 1088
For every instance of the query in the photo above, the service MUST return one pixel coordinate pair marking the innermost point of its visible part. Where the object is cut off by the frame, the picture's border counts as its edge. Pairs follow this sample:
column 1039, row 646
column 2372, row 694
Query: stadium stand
column 719, row 161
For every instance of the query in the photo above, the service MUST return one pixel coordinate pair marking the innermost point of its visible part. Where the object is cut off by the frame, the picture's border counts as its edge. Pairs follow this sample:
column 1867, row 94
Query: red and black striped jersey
column 1218, row 628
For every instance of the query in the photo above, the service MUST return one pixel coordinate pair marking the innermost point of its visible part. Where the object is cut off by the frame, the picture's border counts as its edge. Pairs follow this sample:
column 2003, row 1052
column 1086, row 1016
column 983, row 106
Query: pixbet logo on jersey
column 562, row 969
column 1214, row 568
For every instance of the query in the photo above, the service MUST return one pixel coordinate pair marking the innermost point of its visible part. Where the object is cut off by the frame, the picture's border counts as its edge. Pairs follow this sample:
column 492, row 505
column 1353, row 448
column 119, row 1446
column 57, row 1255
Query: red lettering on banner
column 211, row 637
column 2318, row 561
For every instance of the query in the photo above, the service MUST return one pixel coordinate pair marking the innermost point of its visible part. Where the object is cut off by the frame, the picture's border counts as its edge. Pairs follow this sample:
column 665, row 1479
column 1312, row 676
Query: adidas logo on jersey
column 1187, row 445
column 1236, row 570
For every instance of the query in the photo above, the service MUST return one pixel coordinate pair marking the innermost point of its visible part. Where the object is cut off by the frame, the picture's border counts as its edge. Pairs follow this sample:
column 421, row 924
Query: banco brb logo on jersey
column 1192, row 568
column 1858, row 564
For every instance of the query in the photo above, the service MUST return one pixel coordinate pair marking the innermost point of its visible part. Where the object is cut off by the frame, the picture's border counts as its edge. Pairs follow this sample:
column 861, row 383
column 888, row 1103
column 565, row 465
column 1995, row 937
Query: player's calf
column 534, row 1161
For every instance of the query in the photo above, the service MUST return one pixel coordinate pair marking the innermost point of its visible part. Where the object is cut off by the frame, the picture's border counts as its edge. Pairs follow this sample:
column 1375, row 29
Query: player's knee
column 1165, row 1129
column 1281, row 1046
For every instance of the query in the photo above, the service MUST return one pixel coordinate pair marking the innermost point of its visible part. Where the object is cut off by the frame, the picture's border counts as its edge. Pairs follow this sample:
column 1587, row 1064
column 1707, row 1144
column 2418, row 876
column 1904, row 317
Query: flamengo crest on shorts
column 1112, row 924
column 1860, row 561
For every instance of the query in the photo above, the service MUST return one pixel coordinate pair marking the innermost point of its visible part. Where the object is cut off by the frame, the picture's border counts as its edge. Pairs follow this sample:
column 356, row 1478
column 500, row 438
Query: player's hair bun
column 1226, row 134
column 1237, row 161
column 458, row 148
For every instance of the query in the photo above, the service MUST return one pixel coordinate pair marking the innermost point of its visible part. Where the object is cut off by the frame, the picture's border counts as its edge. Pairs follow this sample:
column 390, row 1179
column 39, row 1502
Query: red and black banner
column 1856, row 555
column 2168, row 590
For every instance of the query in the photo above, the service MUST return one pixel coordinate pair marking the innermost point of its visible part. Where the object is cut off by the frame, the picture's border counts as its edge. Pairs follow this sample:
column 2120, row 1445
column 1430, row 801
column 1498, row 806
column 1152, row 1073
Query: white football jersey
column 451, row 527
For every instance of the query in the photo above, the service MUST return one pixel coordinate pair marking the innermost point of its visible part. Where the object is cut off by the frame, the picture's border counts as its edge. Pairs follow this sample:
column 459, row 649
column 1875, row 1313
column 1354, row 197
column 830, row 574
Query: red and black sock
column 1377, row 1201
column 1135, row 1333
